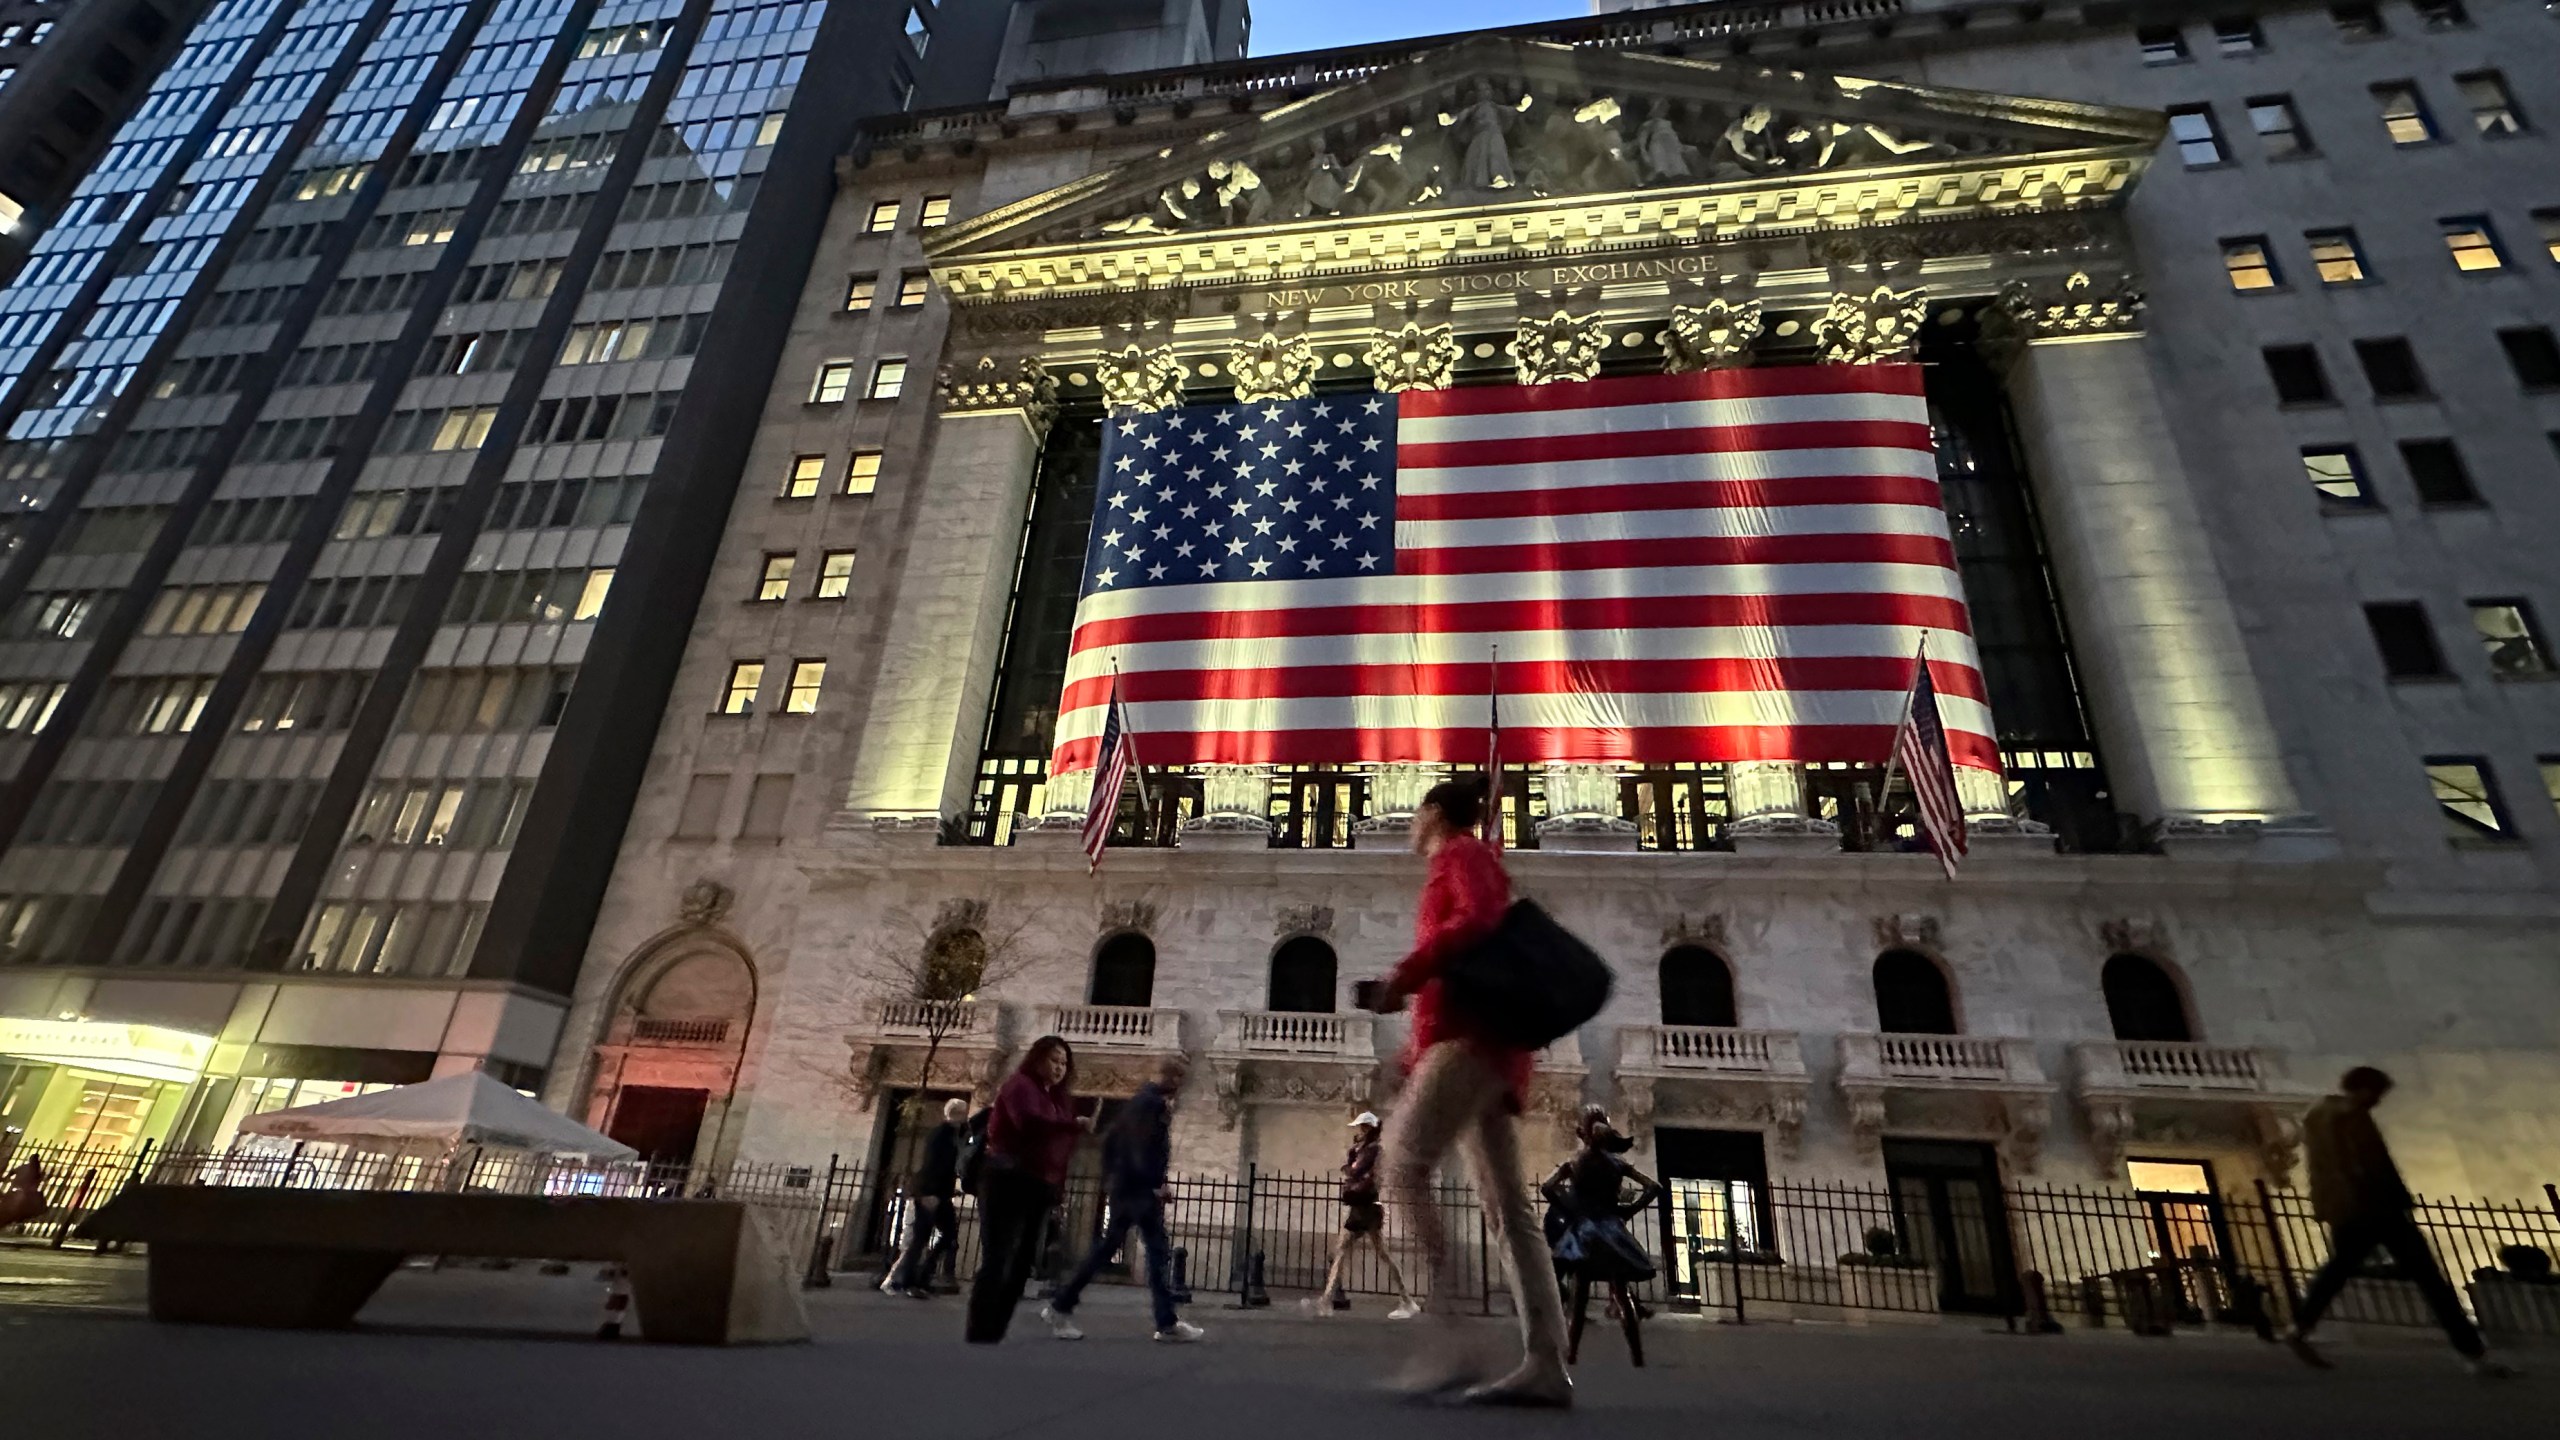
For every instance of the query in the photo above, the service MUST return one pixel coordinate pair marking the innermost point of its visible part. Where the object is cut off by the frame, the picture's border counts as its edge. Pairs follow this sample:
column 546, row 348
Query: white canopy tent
column 441, row 1115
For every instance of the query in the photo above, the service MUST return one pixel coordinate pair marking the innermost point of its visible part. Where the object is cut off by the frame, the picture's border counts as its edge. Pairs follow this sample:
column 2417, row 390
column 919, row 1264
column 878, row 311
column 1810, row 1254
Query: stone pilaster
column 928, row 703
column 2171, row 692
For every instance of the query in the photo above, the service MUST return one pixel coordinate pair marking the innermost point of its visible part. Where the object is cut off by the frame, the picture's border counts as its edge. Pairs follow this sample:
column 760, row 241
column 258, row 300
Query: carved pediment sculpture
column 705, row 902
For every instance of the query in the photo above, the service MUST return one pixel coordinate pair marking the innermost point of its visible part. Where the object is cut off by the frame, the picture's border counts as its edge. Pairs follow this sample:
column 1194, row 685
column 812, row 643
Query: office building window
column 592, row 593
column 835, row 379
column 934, row 213
column 2297, row 374
column 2513, row 641
column 2238, row 35
column 2405, row 640
column 774, row 581
column 888, row 380
column 863, row 475
column 2337, row 473
column 2546, row 223
column 2249, row 264
column 912, row 288
column 2535, row 356
column 918, row 33
column 2337, row 256
column 835, row 575
column 2471, row 243
column 2199, row 139
column 2441, row 14
column 2161, row 45
column 746, row 677
column 2404, row 113
column 806, row 474
column 2550, row 778
column 884, row 216
column 2279, row 127
column 807, row 676
column 2357, row 22
column 2493, row 110
column 859, row 291
column 464, row 429
column 2468, row 799
column 2391, row 368
column 2437, row 473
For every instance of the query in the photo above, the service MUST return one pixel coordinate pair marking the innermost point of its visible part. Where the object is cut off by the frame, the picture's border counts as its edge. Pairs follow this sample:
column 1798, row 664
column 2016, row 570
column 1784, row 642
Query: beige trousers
column 1455, row 1098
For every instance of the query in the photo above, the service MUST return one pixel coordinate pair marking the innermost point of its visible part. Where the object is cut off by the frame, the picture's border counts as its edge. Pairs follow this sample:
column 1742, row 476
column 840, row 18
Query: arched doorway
column 1697, row 987
column 1124, row 971
column 1912, row 996
column 669, row 1061
column 1302, row 977
column 2143, row 1000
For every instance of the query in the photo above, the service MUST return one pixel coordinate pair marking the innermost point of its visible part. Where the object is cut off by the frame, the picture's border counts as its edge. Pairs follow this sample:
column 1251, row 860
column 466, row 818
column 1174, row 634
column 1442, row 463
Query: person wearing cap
column 1363, row 1220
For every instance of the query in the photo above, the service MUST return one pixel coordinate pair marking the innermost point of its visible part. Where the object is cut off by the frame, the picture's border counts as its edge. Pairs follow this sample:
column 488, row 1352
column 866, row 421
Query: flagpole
column 1493, row 740
column 1893, row 752
column 1129, row 737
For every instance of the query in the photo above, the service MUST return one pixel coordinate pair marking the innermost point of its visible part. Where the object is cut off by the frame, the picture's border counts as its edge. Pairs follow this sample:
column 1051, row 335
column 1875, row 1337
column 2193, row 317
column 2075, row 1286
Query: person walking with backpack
column 933, row 1222
column 1137, row 1158
column 1031, row 1137
column 1364, row 1222
column 1462, row 1088
column 2356, row 1190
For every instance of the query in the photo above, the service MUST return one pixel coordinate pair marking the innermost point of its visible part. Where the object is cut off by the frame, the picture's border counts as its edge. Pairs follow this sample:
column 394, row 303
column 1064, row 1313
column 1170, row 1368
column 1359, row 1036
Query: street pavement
column 502, row 1355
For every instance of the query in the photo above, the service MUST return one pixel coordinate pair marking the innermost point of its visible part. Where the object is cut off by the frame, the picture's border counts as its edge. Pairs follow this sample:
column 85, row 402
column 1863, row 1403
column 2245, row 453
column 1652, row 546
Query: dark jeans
column 1013, row 1210
column 1143, row 1213
column 933, row 1231
column 2396, row 1233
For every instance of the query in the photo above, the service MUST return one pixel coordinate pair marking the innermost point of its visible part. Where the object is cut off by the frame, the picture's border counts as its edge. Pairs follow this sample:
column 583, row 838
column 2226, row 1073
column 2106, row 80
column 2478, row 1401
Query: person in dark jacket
column 2357, row 1192
column 933, row 1222
column 1364, row 1222
column 1137, row 1160
column 1030, row 1138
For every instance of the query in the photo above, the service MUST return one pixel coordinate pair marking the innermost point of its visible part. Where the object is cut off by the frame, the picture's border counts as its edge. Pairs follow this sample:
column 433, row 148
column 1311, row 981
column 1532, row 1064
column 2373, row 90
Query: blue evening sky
column 1280, row 26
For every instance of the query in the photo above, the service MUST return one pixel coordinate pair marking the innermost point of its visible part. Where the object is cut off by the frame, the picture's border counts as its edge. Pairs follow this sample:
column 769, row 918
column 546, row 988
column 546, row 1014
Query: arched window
column 2143, row 1002
column 1912, row 996
column 1124, row 970
column 1697, row 988
column 1302, row 975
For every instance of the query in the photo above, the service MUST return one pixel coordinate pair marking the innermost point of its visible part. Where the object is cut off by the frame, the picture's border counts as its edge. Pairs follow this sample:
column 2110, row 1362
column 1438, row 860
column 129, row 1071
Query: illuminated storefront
column 95, row 1085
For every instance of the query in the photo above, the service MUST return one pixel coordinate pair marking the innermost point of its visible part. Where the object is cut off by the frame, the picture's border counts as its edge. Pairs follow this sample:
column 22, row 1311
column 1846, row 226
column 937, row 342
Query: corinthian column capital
column 992, row 386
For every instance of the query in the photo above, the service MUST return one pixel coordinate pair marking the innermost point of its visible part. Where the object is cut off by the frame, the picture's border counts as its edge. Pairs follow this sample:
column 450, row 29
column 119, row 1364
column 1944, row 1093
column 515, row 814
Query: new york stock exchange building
column 2223, row 843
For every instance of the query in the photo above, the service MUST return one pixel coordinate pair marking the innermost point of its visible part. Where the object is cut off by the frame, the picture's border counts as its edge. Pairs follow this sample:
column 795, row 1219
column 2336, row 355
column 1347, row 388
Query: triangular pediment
column 1497, row 124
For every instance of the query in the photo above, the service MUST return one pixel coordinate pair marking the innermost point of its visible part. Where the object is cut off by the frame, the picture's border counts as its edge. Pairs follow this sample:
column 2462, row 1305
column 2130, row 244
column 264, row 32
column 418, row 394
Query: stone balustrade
column 1890, row 1059
column 1111, row 1027
column 1297, row 1035
column 953, row 1020
column 1709, row 1050
column 2178, row 1066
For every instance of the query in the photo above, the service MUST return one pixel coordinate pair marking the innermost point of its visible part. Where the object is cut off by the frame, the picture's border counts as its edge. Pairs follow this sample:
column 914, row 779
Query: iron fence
column 1739, row 1249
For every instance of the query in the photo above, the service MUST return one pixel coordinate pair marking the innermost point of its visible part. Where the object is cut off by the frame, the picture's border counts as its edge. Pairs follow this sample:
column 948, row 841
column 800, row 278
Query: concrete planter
column 2517, row 1311
column 1900, row 1292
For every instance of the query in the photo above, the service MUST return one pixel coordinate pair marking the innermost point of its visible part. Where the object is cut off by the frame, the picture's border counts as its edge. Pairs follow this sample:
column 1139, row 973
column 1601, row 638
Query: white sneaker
column 1405, row 1311
column 889, row 1283
column 1182, row 1333
column 1061, row 1327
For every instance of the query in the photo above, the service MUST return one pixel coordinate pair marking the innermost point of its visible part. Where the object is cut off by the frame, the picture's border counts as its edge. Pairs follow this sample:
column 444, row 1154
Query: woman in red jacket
column 1030, row 1138
column 1461, row 1089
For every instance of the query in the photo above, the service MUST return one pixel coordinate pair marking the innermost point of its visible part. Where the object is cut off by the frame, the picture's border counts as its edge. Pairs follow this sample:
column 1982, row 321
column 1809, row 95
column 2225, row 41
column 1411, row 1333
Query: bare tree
column 934, row 973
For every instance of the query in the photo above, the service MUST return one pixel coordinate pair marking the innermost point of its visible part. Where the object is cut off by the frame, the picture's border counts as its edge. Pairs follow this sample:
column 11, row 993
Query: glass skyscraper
column 371, row 416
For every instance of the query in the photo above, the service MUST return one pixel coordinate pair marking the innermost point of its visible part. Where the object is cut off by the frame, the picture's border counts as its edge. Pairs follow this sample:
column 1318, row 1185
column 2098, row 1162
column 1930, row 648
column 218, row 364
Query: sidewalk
column 428, row 1366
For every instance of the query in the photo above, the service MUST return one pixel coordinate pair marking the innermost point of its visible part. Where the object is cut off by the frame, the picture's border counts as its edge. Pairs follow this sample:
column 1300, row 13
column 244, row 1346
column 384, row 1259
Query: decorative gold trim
column 1564, row 346
column 1715, row 336
column 1020, row 384
column 1140, row 379
column 1417, row 357
column 1268, row 367
column 1872, row 329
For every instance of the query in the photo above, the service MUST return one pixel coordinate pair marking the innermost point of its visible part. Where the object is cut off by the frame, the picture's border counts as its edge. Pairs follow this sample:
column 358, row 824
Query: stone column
column 1396, row 789
column 1235, row 809
column 1582, row 811
column 928, row 701
column 2171, row 691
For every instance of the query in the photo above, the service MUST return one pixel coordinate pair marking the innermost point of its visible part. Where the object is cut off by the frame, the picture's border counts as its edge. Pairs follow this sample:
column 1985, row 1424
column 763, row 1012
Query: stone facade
column 2301, row 892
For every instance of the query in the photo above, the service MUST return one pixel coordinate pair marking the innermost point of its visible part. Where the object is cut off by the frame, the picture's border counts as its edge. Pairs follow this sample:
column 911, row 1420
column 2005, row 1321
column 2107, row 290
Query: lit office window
column 591, row 596
column 2508, row 633
column 835, row 575
column 2279, row 127
column 807, row 676
column 912, row 288
column 2199, row 139
column 888, row 380
column 859, row 291
column 884, row 216
column 2249, row 264
column 2337, row 472
column 834, row 382
column 2493, row 110
column 2550, row 778
column 746, row 677
column 2336, row 256
column 806, row 474
column 936, row 211
column 774, row 583
column 2471, row 243
column 2547, row 223
column 863, row 475
column 2404, row 113
column 2467, row 798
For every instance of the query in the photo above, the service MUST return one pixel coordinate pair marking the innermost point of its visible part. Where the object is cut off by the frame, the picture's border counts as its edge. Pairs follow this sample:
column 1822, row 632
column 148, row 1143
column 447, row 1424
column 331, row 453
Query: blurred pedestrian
column 933, row 1220
column 1595, row 1246
column 2356, row 1190
column 23, row 1200
column 1462, row 1088
column 1364, row 1224
column 1031, row 1136
column 1137, row 1163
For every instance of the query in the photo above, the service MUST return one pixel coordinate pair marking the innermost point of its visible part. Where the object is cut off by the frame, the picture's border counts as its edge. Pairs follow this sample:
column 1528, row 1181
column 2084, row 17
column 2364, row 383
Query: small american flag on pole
column 1493, row 750
column 1110, row 773
column 1920, row 752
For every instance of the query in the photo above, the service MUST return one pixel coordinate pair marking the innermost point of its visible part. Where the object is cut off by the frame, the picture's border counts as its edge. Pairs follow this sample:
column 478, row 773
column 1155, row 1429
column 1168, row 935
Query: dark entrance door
column 1948, row 1207
column 910, row 1122
column 1715, row 1206
column 661, row 1122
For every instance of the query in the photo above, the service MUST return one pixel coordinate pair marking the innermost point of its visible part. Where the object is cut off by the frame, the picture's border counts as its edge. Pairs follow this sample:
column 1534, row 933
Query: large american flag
column 1729, row 565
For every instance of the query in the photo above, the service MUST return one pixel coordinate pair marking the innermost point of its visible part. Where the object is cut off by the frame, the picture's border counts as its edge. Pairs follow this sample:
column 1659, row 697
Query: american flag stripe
column 1720, row 566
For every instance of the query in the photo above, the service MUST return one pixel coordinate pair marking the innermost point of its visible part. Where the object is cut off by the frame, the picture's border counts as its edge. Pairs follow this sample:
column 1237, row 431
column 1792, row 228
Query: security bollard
column 1181, row 1275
